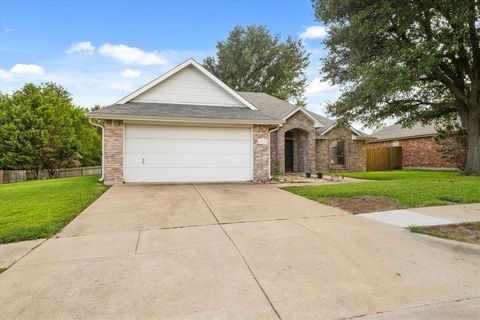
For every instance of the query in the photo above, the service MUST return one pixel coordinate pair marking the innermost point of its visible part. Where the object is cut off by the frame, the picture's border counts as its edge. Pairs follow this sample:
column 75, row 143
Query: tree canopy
column 40, row 128
column 252, row 59
column 412, row 60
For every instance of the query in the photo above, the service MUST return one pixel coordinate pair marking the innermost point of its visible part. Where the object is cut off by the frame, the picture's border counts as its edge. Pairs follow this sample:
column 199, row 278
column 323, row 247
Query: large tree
column 252, row 59
column 413, row 60
column 40, row 128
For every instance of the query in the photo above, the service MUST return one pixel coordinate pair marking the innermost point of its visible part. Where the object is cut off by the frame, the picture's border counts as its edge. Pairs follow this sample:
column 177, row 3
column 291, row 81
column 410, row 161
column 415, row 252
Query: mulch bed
column 467, row 232
column 363, row 204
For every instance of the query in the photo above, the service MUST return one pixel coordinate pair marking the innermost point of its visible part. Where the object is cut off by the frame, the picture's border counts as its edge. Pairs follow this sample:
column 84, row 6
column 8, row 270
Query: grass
column 3, row 269
column 39, row 209
column 465, row 232
column 409, row 187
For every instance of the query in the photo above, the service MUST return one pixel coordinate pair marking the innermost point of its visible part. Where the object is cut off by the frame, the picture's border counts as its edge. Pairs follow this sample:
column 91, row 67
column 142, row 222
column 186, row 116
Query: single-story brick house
column 188, row 126
column 419, row 149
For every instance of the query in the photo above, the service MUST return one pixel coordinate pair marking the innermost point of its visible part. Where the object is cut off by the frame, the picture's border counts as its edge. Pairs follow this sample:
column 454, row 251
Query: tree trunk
column 472, row 167
column 51, row 173
column 35, row 173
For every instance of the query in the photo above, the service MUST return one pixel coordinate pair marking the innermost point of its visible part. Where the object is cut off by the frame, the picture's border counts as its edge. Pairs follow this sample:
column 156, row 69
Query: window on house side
column 338, row 152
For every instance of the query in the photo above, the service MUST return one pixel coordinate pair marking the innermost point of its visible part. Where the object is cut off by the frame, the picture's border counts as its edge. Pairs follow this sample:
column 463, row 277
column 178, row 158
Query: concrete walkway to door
column 235, row 251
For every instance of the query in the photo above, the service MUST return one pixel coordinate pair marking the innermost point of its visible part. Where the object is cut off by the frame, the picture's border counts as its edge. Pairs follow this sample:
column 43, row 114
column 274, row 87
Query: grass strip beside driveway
column 408, row 187
column 465, row 232
column 39, row 209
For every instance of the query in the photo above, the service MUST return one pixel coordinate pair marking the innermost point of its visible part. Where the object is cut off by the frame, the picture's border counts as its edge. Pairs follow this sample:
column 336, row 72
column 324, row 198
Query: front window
column 338, row 152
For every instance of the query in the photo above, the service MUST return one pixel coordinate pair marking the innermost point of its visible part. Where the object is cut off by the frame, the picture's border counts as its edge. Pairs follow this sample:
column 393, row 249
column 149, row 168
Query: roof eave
column 177, row 119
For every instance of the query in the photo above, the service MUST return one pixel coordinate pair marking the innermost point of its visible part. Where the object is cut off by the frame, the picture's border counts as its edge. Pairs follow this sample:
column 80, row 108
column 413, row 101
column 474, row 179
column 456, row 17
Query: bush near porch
column 410, row 188
column 39, row 209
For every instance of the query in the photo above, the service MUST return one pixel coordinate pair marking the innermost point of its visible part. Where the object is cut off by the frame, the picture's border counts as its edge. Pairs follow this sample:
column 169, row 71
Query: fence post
column 1, row 176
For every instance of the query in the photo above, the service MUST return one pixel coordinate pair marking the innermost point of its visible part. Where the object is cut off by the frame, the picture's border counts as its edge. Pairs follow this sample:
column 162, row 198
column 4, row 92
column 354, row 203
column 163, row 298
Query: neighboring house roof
column 177, row 112
column 396, row 131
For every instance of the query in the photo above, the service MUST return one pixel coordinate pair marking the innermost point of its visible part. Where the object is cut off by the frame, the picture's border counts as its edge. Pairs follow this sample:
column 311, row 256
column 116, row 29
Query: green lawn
column 39, row 209
column 410, row 188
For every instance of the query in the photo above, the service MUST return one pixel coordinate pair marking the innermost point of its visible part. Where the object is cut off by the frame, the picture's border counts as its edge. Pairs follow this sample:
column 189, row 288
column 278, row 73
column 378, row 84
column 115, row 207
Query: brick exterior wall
column 355, row 152
column 417, row 152
column 113, row 162
column 260, row 154
column 316, row 151
column 312, row 154
column 297, row 121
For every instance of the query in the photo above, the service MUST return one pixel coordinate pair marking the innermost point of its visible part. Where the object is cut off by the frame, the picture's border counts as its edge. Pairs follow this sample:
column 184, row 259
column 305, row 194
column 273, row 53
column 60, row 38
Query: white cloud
column 85, row 47
column 130, row 73
column 6, row 75
column 21, row 68
column 318, row 86
column 314, row 32
column 120, row 86
column 131, row 55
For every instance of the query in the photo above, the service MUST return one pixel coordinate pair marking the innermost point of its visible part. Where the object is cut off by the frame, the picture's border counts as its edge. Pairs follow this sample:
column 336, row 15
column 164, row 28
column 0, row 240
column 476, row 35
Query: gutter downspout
column 270, row 152
column 103, row 146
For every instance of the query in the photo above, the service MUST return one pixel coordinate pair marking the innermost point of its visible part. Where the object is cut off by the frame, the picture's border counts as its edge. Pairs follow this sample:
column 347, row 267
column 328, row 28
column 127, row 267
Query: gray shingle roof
column 269, row 108
column 267, row 104
column 175, row 111
column 275, row 107
column 396, row 131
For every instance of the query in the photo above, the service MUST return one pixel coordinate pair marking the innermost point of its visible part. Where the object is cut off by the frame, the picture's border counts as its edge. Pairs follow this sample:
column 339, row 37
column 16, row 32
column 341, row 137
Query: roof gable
column 188, row 83
column 316, row 123
column 357, row 133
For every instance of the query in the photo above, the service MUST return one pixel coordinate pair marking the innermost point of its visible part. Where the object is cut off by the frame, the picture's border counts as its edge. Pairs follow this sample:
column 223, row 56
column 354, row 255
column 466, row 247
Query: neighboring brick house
column 188, row 126
column 419, row 149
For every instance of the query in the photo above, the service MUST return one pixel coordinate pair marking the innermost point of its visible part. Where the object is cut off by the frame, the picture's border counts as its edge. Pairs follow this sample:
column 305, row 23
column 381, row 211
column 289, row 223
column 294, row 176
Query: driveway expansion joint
column 413, row 307
column 138, row 240
column 240, row 253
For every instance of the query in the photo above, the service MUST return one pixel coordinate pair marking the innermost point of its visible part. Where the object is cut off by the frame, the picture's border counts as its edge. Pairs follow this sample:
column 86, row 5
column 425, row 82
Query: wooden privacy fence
column 9, row 176
column 384, row 158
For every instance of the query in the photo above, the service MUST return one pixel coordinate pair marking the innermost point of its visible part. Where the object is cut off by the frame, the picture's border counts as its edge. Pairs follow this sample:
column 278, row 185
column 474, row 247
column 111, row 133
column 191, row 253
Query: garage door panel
column 187, row 154
column 186, row 174
column 188, row 146
column 172, row 132
column 165, row 160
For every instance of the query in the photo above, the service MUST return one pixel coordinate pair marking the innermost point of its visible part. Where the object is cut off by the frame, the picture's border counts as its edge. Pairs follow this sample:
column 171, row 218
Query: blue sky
column 101, row 50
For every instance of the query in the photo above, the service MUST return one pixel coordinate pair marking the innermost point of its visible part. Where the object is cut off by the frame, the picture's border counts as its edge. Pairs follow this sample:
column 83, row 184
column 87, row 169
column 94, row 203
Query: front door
column 288, row 155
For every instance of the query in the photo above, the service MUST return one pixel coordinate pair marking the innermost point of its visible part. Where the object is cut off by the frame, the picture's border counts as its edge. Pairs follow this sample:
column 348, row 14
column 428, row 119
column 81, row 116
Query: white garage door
column 184, row 154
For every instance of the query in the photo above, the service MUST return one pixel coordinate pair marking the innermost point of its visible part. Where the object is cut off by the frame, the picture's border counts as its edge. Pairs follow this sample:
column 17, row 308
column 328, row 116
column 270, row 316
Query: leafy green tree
column 414, row 60
column 89, row 138
column 40, row 128
column 252, row 59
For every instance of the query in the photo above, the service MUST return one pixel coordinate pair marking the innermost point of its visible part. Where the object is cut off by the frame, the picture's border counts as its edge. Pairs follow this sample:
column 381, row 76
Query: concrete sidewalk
column 427, row 216
column 12, row 252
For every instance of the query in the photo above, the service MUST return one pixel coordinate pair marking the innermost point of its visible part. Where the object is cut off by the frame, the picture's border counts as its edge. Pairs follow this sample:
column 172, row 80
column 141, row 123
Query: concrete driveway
column 237, row 251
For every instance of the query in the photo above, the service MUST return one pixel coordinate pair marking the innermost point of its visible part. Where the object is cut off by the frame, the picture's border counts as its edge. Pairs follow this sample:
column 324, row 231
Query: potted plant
column 308, row 174
column 319, row 175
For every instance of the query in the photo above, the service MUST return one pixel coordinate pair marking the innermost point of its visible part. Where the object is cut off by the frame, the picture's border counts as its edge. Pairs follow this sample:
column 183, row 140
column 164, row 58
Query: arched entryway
column 296, row 150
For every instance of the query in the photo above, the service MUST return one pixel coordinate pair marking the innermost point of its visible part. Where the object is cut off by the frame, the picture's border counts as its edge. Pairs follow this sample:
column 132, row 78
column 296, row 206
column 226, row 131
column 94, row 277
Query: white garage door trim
column 183, row 153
